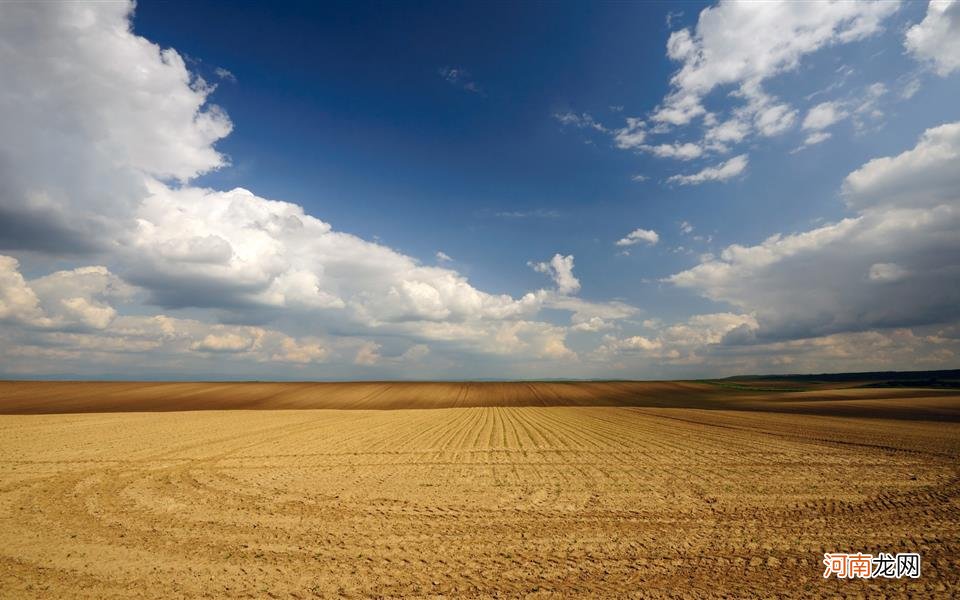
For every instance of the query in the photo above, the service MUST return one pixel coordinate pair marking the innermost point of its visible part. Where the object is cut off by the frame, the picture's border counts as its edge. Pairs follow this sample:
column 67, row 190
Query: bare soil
column 476, row 490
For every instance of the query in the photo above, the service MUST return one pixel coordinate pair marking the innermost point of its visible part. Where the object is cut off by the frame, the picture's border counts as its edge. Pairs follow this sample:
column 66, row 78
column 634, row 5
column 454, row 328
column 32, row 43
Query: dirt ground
column 727, row 496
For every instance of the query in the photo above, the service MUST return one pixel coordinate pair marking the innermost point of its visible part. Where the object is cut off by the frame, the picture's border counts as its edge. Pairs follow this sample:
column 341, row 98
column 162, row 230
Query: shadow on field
column 844, row 398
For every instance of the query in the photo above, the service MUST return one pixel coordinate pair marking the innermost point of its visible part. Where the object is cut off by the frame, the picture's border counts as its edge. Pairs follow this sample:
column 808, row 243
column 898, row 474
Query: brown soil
column 640, row 490
column 49, row 397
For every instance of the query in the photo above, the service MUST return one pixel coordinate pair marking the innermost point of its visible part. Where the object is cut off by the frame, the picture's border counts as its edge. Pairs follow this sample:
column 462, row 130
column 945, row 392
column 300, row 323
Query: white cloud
column 227, row 342
column 459, row 77
column 722, row 172
column 685, row 151
column 102, row 162
column 731, row 131
column 560, row 269
column 923, row 176
column 823, row 281
column 415, row 353
column 631, row 136
column 88, row 108
column 738, row 46
column 686, row 228
column 647, row 236
column 817, row 137
column 580, row 121
column 443, row 256
column 768, row 116
column 683, row 342
column 225, row 74
column 300, row 351
column 368, row 354
column 749, row 42
column 715, row 344
column 823, row 115
column 936, row 39
column 18, row 301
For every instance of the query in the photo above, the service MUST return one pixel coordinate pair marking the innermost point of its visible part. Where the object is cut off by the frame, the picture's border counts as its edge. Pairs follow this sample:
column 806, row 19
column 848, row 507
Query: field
column 606, row 489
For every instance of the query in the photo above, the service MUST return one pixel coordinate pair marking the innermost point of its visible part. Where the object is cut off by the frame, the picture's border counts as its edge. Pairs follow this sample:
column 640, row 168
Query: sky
column 338, row 191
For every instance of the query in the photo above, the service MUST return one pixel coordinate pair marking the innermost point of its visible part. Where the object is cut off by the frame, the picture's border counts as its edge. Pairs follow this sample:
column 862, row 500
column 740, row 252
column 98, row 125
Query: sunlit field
column 539, row 490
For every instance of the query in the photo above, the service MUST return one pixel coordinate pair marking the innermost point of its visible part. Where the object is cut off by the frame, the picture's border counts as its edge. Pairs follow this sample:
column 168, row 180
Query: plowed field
column 726, row 496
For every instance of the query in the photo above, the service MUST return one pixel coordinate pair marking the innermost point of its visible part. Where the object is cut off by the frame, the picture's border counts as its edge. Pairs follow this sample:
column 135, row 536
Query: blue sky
column 503, row 137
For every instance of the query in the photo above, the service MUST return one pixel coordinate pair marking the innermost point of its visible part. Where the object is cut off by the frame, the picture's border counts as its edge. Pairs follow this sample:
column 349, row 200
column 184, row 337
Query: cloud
column 736, row 47
column 746, row 43
column 731, row 131
column 722, row 172
column 817, row 137
column 827, row 114
column 226, row 342
column 368, row 354
column 579, row 121
column 18, row 301
column 647, row 236
column 823, row 115
column 459, row 77
column 684, row 151
column 936, row 39
column 415, row 353
column 680, row 342
column 631, row 136
column 824, row 281
column 560, row 269
column 686, row 228
column 884, row 272
column 721, row 344
column 225, row 74
column 924, row 176
column 443, row 256
column 102, row 162
column 304, row 351
column 76, row 147
column 539, row 213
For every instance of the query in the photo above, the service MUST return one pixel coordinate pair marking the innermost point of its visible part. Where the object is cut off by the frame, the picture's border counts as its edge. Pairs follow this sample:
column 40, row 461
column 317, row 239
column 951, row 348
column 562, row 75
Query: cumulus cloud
column 368, row 354
column 722, row 172
column 560, row 269
column 824, row 281
column 18, row 301
column 924, row 176
column 88, row 109
column 737, row 46
column 936, row 39
column 647, row 236
column 225, row 342
column 309, row 350
column 72, row 313
column 685, row 342
column 101, row 134
column 721, row 344
column 737, row 43
column 632, row 135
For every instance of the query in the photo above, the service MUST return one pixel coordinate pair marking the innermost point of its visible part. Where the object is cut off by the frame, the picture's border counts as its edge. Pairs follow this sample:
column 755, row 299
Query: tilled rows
column 470, row 502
